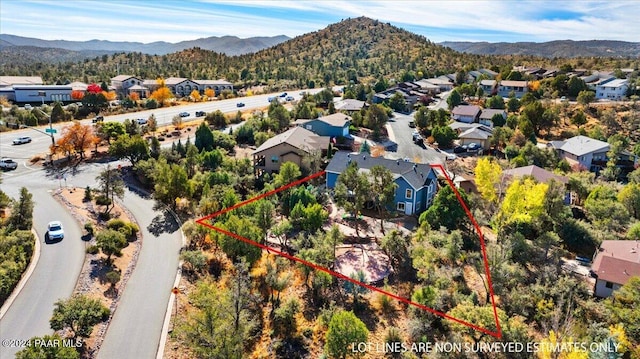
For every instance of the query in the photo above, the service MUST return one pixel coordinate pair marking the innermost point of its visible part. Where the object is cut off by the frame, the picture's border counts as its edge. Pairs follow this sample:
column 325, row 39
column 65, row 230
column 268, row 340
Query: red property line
column 497, row 334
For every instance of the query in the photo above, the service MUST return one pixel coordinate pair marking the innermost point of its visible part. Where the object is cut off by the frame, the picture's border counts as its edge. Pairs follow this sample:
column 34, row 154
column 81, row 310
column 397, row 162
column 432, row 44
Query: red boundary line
column 497, row 333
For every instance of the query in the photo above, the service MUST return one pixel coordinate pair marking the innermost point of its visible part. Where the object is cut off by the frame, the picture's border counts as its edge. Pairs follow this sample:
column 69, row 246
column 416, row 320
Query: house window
column 609, row 285
column 400, row 206
column 408, row 193
column 274, row 159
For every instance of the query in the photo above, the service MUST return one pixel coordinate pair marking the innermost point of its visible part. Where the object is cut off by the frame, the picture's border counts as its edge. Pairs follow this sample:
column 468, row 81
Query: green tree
column 345, row 329
column 216, row 119
column 21, row 217
column 495, row 102
column 513, row 104
column 444, row 136
column 488, row 177
column 48, row 351
column 629, row 196
column 171, row 183
column 575, row 85
column 481, row 316
column 78, row 314
column 579, row 118
column 111, row 242
column 446, row 210
column 351, row 192
column 375, row 119
column 204, row 138
column 498, row 120
column 289, row 172
column 604, row 210
column 110, row 130
column 235, row 248
column 264, row 215
column 534, row 112
column 195, row 262
column 57, row 113
column 396, row 246
column 383, row 190
column 454, row 99
column 110, row 185
column 624, row 304
column 134, row 148
column 397, row 102
column 586, row 97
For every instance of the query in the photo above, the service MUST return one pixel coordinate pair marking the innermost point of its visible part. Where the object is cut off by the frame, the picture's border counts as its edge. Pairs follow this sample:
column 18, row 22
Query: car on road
column 284, row 94
column 28, row 107
column 563, row 99
column 241, row 104
column 21, row 140
column 8, row 164
column 200, row 113
column 412, row 124
column 289, row 98
column 97, row 119
column 417, row 138
column 55, row 230
column 269, row 99
column 184, row 114
column 141, row 121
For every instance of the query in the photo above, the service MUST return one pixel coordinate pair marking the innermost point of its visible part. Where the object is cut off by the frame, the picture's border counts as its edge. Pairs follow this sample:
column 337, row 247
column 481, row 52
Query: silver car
column 8, row 164
column 21, row 140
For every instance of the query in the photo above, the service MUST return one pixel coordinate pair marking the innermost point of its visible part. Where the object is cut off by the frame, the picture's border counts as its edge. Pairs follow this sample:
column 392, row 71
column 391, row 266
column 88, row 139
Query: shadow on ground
column 163, row 223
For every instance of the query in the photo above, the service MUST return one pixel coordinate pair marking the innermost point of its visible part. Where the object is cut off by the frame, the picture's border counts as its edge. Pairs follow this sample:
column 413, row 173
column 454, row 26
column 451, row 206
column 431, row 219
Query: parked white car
column 8, row 164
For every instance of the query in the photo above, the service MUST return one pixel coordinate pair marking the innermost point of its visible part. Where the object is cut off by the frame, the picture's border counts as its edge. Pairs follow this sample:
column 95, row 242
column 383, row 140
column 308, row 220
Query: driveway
column 136, row 326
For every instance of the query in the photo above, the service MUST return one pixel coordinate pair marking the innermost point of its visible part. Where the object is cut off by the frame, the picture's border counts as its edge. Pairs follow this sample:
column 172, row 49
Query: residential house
column 289, row 146
column 614, row 263
column 489, row 73
column 613, row 90
column 460, row 127
column 583, row 151
column 41, row 93
column 477, row 135
column 539, row 174
column 445, row 84
column 597, row 78
column 335, row 125
column 410, row 96
column 122, row 83
column 417, row 182
column 518, row 88
column 428, row 87
column 465, row 184
column 487, row 114
column 591, row 153
column 489, row 87
column 466, row 113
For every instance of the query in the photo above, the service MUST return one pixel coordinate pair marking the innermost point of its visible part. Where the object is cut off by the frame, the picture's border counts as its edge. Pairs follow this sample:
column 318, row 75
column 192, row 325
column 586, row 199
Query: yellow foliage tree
column 534, row 85
column 523, row 202
column 195, row 95
column 76, row 138
column 549, row 348
column 162, row 94
column 210, row 93
column 249, row 93
column 488, row 176
column 134, row 96
column 110, row 96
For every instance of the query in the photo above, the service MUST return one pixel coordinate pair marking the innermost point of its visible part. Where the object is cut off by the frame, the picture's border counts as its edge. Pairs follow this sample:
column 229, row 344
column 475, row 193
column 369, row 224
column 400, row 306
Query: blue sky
column 157, row 20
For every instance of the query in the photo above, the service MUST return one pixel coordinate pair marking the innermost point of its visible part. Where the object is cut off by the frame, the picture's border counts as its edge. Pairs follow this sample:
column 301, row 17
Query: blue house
column 416, row 182
column 335, row 125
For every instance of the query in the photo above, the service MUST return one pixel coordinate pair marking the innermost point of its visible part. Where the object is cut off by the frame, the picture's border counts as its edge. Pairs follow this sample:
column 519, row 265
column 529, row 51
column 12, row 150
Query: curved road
column 55, row 274
column 136, row 326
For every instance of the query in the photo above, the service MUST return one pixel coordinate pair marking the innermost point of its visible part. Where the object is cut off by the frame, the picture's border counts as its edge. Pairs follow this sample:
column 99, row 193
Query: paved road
column 137, row 323
column 402, row 134
column 57, row 270
column 41, row 142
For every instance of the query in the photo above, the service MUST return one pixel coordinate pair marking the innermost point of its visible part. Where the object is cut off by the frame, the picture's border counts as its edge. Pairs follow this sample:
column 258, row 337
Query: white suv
column 21, row 140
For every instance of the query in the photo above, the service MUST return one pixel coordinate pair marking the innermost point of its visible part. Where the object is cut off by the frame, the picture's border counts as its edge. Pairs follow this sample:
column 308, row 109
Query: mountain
column 551, row 49
column 230, row 45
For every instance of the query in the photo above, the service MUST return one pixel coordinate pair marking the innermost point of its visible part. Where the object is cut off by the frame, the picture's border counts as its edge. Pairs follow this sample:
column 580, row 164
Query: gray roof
column 349, row 105
column 475, row 133
column 615, row 83
column 488, row 113
column 414, row 173
column 540, row 174
column 463, row 126
column 582, row 145
column 297, row 137
column 466, row 110
column 337, row 119
column 20, row 80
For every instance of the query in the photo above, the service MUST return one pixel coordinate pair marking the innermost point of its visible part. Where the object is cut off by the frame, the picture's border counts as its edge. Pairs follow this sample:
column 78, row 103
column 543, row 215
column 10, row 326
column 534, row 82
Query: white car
column 55, row 230
column 8, row 164
column 21, row 140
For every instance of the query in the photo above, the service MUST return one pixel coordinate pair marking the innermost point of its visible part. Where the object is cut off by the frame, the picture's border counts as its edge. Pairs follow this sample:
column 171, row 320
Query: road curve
column 136, row 326
column 54, row 276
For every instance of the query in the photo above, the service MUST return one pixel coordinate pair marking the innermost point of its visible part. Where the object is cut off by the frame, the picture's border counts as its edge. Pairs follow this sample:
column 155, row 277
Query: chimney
column 415, row 168
column 364, row 157
column 398, row 162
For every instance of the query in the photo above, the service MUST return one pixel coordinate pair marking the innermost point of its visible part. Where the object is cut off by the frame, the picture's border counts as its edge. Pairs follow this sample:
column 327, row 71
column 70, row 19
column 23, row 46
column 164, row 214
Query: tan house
column 289, row 146
column 476, row 135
